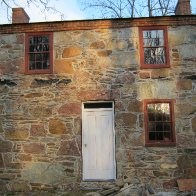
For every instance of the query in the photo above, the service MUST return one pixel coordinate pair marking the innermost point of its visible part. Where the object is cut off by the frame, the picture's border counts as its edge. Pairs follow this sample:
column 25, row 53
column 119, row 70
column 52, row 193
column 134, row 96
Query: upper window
column 159, row 122
column 39, row 53
column 154, row 47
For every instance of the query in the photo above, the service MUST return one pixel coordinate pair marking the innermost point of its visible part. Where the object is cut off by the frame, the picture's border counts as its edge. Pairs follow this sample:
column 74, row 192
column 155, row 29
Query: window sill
column 153, row 66
column 160, row 144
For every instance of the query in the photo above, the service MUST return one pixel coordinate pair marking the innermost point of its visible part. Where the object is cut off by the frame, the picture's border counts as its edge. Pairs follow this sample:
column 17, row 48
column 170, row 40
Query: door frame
column 113, row 131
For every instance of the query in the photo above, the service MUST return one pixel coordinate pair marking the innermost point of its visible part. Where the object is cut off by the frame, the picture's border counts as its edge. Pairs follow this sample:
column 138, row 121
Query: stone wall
column 40, row 115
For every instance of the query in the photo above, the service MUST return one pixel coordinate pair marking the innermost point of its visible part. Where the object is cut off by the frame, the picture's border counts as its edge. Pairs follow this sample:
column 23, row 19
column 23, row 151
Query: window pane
column 45, row 47
column 150, row 108
column 45, row 39
column 153, row 34
column 167, row 136
column 32, row 57
column 159, row 136
column 154, row 56
column 153, row 38
column 151, row 117
column 38, row 57
column 39, row 65
column 167, row 127
column 152, row 136
column 32, row 65
column 159, row 126
column 151, row 127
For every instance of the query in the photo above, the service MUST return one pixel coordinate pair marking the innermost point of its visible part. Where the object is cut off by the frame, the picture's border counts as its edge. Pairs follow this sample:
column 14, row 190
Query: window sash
column 153, row 48
column 159, row 125
column 39, row 47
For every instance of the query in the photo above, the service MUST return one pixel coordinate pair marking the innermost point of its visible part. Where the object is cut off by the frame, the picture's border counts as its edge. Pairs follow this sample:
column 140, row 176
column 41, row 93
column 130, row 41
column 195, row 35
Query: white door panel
column 98, row 145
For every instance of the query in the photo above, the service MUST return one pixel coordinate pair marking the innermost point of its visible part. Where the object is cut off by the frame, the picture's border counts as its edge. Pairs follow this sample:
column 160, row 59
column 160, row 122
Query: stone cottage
column 93, row 103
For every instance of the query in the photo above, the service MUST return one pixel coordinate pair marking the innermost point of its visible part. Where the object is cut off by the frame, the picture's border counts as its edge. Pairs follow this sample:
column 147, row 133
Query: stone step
column 110, row 191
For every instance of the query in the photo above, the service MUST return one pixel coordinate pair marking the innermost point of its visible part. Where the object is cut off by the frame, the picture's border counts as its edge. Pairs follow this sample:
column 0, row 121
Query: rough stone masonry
column 40, row 114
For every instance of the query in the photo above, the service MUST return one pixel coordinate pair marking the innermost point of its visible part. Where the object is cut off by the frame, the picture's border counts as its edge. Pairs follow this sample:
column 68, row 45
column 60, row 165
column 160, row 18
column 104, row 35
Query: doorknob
column 85, row 145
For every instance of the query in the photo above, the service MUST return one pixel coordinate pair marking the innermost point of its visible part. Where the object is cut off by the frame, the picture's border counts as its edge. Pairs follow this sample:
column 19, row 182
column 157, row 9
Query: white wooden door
column 98, row 144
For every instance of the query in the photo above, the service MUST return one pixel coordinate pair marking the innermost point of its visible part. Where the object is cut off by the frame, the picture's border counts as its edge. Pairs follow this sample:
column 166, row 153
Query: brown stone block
column 5, row 146
column 160, row 73
column 57, row 127
column 25, row 157
column 184, row 109
column 34, row 148
column 70, row 109
column 68, row 148
column 33, row 95
column 40, row 111
column 63, row 66
column 184, row 84
column 175, row 55
column 71, row 51
column 7, row 176
column 194, row 124
column 1, row 161
column 126, row 119
column 160, row 173
column 16, row 134
column 3, row 186
column 184, row 162
column 190, row 173
column 135, row 106
column 97, row 45
column 19, row 186
column 104, row 53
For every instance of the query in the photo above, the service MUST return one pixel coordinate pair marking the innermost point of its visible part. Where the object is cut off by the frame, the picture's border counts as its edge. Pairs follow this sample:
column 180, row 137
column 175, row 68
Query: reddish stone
column 125, row 78
column 92, row 94
column 20, row 38
column 144, row 75
column 25, row 157
column 70, row 109
column 68, row 148
column 38, row 130
column 186, row 184
column 170, row 184
column 34, row 148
